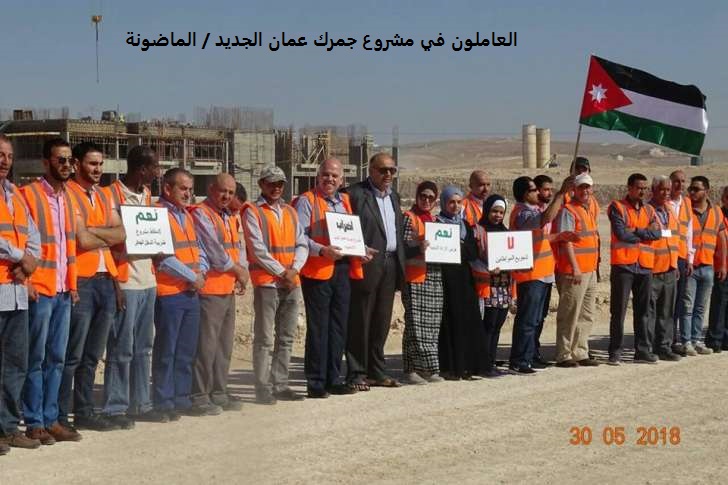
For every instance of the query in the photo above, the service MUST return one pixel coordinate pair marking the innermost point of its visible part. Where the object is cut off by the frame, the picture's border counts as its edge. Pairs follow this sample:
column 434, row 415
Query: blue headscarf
column 444, row 217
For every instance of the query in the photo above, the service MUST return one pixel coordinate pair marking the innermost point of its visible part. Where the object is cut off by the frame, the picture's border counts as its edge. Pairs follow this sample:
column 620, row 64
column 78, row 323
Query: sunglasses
column 386, row 170
column 64, row 160
column 427, row 197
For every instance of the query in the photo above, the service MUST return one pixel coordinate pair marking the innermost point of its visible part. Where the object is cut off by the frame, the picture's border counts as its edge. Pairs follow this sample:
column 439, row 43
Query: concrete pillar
column 543, row 146
column 529, row 146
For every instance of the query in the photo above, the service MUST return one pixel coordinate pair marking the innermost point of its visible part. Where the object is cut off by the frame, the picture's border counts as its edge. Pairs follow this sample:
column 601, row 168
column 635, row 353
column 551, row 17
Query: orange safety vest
column 479, row 269
column 96, row 215
column 279, row 237
column 186, row 250
column 118, row 252
column 719, row 250
column 705, row 236
column 415, row 268
column 319, row 267
column 472, row 210
column 44, row 277
column 666, row 248
column 543, row 257
column 684, row 219
column 14, row 229
column 218, row 282
column 586, row 249
column 622, row 252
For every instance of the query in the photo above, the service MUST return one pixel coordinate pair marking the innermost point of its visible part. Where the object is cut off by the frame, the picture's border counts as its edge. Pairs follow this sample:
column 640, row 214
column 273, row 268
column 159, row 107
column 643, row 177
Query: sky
column 48, row 60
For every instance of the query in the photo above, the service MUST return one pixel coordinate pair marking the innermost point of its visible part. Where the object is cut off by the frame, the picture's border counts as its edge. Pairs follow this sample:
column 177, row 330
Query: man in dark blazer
column 372, row 298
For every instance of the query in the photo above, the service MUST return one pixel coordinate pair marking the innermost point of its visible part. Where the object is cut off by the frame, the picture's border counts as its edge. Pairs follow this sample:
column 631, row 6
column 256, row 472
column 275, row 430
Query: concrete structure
column 529, row 146
column 543, row 146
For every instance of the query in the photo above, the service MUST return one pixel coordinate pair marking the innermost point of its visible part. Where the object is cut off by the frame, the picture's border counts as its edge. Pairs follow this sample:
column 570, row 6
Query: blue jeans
column 48, row 319
column 177, row 320
column 695, row 301
column 13, row 365
column 91, row 319
column 129, row 355
column 531, row 297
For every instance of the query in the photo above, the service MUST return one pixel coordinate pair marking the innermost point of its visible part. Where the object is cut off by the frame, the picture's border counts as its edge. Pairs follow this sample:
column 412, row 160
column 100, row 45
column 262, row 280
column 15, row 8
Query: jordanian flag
column 648, row 108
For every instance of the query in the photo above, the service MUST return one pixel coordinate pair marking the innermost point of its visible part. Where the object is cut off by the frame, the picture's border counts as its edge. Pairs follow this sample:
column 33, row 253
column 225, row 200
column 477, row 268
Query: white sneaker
column 435, row 378
column 414, row 379
column 702, row 349
column 690, row 350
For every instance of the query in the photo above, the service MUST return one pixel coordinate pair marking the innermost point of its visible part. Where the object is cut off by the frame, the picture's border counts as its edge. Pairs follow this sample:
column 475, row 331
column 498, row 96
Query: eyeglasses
column 386, row 170
column 695, row 189
column 427, row 197
column 64, row 160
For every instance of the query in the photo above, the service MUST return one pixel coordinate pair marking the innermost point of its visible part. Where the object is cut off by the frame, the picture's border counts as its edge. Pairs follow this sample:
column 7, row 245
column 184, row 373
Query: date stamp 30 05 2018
column 617, row 436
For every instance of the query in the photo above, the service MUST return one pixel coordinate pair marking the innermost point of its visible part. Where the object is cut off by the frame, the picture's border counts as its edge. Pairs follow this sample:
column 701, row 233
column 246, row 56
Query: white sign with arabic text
column 345, row 232
column 147, row 230
column 444, row 242
column 510, row 250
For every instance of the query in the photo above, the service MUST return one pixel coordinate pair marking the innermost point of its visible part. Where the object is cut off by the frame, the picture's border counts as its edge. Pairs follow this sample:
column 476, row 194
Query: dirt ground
column 510, row 430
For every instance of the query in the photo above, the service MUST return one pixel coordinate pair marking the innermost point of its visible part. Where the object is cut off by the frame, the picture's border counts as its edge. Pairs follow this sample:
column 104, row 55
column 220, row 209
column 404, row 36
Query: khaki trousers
column 575, row 316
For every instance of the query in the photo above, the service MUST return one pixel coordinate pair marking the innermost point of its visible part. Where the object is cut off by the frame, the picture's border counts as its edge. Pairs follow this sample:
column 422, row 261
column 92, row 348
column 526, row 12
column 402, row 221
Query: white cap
column 582, row 179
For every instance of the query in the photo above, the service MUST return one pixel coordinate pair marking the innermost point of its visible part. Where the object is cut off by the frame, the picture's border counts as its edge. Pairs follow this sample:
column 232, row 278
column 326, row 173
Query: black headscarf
column 487, row 205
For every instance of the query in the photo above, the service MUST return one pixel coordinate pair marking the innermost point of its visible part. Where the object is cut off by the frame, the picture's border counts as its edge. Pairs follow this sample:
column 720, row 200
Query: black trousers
column 539, row 329
column 327, row 311
column 370, row 314
column 493, row 320
column 640, row 285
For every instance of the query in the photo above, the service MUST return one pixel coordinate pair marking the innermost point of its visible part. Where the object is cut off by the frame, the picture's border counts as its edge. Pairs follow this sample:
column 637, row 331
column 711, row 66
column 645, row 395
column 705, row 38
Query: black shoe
column 207, row 409
column 645, row 359
column 288, row 395
column 265, row 397
column 724, row 346
column 588, row 362
column 340, row 390
column 121, row 420
column 541, row 361
column 715, row 348
column 317, row 394
column 493, row 373
column 173, row 415
column 522, row 370
column 669, row 356
column 539, row 365
column 153, row 416
column 233, row 403
column 95, row 422
column 567, row 363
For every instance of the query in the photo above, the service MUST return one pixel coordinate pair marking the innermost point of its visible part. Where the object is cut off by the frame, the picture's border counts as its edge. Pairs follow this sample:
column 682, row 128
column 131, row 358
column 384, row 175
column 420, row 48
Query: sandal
column 358, row 385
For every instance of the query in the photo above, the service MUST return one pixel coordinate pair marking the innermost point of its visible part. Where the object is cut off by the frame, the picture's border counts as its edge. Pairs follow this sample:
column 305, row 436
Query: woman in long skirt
column 462, row 340
column 422, row 296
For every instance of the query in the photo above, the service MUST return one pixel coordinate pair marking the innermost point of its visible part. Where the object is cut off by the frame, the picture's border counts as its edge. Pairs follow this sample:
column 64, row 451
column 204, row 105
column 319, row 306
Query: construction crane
column 96, row 20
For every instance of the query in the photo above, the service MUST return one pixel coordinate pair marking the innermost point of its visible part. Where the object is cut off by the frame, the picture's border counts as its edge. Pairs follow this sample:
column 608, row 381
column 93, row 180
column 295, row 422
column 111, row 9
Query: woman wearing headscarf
column 462, row 340
column 496, row 289
column 422, row 295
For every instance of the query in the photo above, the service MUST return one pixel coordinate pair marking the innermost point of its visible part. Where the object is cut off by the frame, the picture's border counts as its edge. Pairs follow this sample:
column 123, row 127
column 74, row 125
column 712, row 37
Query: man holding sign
column 129, row 348
column 325, row 283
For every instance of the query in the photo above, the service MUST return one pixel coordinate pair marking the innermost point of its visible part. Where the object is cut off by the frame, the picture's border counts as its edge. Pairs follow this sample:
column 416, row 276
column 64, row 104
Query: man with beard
column 479, row 184
column 545, row 186
column 93, row 315
column 19, row 250
column 51, row 292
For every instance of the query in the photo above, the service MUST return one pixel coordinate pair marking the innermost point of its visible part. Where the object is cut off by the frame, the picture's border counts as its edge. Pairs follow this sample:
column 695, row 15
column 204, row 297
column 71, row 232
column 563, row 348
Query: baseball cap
column 272, row 174
column 582, row 179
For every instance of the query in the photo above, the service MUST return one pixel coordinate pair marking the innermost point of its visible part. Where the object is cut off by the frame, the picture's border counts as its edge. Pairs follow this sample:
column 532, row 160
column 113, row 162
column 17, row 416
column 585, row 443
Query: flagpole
column 576, row 146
